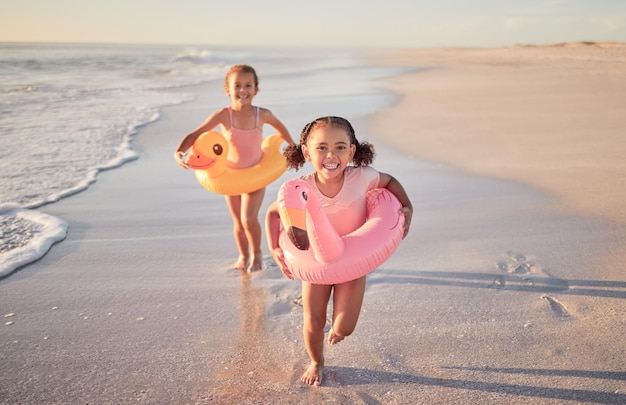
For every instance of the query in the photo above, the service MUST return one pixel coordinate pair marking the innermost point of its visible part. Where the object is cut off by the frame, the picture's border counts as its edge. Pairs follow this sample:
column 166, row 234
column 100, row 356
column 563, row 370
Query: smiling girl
column 242, row 125
column 341, row 179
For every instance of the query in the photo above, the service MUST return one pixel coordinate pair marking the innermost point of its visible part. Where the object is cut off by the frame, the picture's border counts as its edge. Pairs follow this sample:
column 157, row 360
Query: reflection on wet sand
column 257, row 367
column 252, row 334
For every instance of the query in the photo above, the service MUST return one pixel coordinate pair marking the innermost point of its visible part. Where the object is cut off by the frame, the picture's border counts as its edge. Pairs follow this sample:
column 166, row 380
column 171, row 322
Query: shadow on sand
column 350, row 376
column 527, row 282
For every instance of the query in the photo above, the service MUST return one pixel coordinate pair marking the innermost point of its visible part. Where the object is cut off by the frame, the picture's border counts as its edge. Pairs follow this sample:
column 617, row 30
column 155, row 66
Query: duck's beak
column 197, row 160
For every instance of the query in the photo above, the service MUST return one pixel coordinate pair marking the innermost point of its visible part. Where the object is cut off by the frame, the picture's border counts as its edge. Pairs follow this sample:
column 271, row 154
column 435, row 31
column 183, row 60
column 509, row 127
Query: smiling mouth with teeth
column 331, row 166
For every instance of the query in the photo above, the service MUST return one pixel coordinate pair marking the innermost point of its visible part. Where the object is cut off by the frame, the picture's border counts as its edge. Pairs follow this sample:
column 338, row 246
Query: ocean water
column 69, row 111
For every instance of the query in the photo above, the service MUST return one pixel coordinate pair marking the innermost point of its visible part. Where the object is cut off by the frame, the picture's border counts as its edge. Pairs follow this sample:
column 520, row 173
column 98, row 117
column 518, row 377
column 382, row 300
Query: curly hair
column 363, row 155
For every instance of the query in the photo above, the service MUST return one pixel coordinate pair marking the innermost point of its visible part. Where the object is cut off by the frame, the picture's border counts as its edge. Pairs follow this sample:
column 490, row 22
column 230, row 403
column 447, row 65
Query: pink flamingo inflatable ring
column 208, row 155
column 313, row 250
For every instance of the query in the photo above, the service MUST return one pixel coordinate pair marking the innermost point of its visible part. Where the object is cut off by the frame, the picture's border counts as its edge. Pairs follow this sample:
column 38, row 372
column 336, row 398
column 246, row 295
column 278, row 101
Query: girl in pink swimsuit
column 242, row 125
column 330, row 144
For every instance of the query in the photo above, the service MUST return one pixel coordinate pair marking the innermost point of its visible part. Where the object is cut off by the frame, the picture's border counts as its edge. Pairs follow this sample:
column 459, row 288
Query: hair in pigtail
column 364, row 154
column 294, row 156
column 293, row 153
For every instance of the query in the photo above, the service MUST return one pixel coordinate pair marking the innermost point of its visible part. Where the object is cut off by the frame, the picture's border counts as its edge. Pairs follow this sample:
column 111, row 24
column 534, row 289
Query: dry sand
column 549, row 116
column 552, row 116
column 496, row 296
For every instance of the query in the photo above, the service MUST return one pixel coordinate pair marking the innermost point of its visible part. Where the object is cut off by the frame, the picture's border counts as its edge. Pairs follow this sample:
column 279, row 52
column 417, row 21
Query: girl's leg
column 347, row 301
column 234, row 206
column 250, row 206
column 315, row 302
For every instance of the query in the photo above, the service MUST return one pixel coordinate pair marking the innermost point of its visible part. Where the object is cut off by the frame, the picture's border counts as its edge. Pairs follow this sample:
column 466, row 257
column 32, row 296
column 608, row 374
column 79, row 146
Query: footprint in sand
column 498, row 282
column 517, row 263
column 526, row 273
column 558, row 309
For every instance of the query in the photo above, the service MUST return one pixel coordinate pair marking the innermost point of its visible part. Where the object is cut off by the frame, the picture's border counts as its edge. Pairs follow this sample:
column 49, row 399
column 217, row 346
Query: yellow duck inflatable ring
column 207, row 157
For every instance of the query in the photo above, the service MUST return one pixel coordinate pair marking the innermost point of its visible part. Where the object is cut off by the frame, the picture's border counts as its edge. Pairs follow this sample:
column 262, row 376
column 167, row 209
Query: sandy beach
column 509, row 288
column 548, row 116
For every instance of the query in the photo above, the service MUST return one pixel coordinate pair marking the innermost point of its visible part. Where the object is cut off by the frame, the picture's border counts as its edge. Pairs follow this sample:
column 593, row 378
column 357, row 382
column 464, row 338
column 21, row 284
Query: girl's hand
column 408, row 214
column 279, row 258
column 178, row 157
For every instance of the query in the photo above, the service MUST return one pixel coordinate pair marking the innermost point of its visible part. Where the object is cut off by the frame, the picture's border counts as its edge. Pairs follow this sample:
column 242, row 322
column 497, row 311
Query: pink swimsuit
column 245, row 144
column 347, row 210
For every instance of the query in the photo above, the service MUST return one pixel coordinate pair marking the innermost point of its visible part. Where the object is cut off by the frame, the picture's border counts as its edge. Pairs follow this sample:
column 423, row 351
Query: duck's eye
column 217, row 149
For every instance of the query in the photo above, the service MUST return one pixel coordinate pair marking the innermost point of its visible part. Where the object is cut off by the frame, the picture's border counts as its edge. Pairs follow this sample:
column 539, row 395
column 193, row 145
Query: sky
column 366, row 23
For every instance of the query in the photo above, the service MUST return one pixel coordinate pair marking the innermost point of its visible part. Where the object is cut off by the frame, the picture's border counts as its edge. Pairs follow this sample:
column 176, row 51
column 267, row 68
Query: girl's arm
column 390, row 183
column 270, row 119
column 187, row 142
column 272, row 232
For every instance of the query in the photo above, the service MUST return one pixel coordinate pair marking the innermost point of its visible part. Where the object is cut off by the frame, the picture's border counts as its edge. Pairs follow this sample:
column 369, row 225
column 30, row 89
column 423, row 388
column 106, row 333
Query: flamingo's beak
column 298, row 237
column 294, row 222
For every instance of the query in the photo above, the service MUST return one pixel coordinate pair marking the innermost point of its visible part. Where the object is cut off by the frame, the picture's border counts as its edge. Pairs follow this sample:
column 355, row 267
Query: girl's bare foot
column 257, row 263
column 313, row 374
column 333, row 338
column 241, row 264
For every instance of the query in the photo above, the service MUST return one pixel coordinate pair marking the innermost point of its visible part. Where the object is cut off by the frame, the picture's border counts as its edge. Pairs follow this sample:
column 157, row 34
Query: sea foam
column 26, row 235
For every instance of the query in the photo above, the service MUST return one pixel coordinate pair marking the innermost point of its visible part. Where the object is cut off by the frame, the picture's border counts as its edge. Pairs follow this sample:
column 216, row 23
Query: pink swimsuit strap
column 256, row 119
